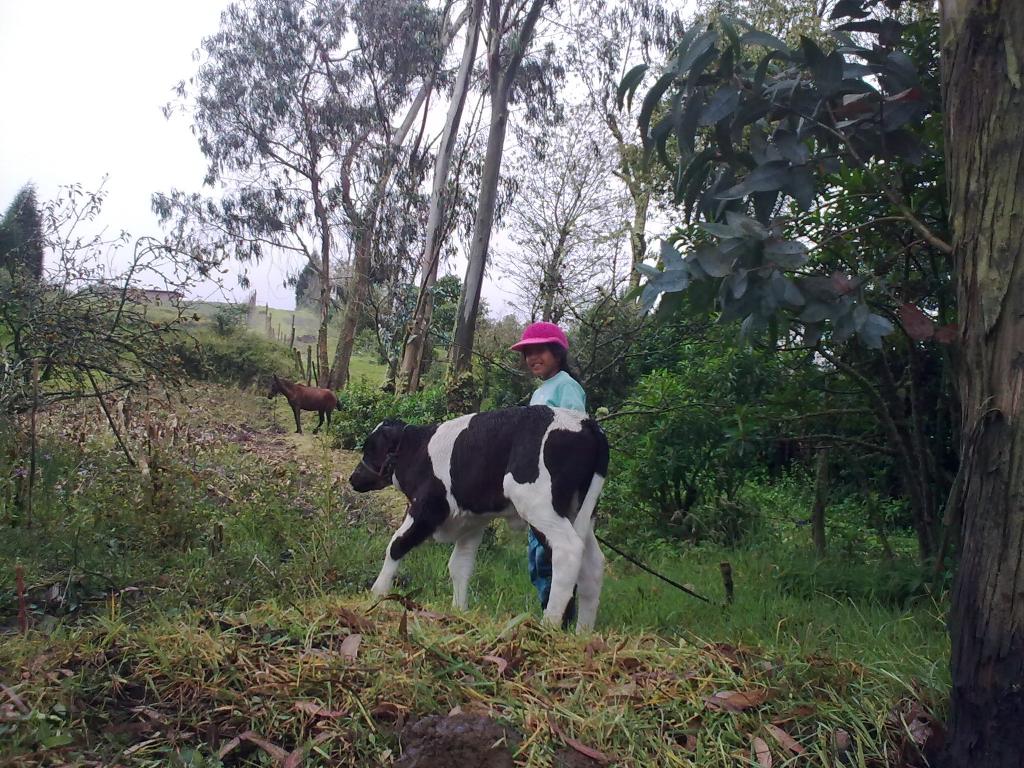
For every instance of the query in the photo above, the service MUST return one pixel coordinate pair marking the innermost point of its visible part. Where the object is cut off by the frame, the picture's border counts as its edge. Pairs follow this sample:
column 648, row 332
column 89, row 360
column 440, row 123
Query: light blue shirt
column 561, row 391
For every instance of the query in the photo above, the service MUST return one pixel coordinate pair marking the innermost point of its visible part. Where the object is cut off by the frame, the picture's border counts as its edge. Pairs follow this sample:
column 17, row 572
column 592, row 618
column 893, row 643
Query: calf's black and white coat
column 545, row 466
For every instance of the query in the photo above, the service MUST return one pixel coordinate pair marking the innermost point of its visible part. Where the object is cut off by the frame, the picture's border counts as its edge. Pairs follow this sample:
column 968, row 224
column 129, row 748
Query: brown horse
column 303, row 398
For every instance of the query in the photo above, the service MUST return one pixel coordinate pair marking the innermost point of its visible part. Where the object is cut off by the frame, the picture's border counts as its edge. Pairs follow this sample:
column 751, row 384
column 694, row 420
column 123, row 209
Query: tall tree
column 565, row 220
column 387, row 54
column 412, row 359
column 275, row 96
column 606, row 38
column 509, row 34
column 983, row 94
column 21, row 235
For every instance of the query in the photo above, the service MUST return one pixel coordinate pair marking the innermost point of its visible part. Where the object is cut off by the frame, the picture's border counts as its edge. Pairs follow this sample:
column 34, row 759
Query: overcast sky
column 83, row 85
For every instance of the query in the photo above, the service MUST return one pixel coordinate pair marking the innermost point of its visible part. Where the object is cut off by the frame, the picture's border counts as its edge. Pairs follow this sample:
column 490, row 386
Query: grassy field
column 213, row 611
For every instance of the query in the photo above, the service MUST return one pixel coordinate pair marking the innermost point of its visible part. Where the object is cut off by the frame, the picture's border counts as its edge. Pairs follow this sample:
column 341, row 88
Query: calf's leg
column 590, row 581
column 533, row 502
column 420, row 523
column 461, row 565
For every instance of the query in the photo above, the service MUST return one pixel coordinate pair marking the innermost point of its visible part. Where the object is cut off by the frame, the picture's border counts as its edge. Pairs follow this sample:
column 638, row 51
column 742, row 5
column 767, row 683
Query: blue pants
column 538, row 556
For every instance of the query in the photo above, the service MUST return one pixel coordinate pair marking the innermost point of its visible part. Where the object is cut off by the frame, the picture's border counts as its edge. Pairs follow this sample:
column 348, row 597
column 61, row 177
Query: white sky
column 84, row 82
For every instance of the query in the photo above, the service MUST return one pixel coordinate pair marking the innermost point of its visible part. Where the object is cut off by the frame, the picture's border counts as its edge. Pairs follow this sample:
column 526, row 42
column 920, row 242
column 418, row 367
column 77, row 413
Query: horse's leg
column 319, row 423
column 298, row 419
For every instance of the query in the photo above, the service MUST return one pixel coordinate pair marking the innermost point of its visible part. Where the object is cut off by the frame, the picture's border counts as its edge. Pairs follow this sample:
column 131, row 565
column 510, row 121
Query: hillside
column 213, row 612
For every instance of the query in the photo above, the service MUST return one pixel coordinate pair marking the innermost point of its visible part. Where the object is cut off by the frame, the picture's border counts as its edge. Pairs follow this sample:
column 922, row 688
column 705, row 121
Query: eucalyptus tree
column 780, row 130
column 416, row 343
column 509, row 34
column 605, row 39
column 271, row 102
column 286, row 96
column 405, row 43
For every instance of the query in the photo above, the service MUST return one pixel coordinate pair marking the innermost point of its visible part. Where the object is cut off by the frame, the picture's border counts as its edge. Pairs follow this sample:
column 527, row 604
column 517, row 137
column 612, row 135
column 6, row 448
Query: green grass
column 175, row 636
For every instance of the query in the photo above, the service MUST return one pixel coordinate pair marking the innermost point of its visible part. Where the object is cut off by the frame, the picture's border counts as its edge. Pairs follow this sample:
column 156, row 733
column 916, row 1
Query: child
column 545, row 351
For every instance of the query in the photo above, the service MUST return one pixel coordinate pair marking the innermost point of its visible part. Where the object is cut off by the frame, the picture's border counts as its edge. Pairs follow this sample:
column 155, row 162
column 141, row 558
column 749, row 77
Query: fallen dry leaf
column 735, row 701
column 579, row 746
column 255, row 739
column 841, row 740
column 785, row 739
column 350, row 646
column 623, row 691
column 353, row 620
column 298, row 755
column 314, row 709
column 761, row 752
column 501, row 663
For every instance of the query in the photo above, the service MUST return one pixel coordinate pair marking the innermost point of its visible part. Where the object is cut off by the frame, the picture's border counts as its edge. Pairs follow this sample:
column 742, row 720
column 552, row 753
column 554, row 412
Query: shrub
column 893, row 582
column 238, row 357
column 363, row 407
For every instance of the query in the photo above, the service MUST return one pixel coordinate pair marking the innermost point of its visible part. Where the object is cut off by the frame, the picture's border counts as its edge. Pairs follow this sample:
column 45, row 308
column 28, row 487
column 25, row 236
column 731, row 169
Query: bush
column 894, row 582
column 363, row 407
column 238, row 357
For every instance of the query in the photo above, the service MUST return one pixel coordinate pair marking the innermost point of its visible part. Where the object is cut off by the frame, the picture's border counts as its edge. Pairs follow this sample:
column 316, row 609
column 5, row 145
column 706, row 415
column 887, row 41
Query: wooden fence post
column 726, row 569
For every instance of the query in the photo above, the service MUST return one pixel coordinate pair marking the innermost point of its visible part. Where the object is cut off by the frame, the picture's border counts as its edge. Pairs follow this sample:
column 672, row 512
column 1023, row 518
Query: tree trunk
column 500, row 81
column 469, row 303
column 412, row 360
column 637, row 240
column 366, row 221
column 324, row 268
column 983, row 78
column 820, row 502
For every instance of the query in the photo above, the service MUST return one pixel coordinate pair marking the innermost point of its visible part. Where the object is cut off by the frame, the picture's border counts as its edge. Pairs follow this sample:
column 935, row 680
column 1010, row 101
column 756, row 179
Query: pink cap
column 542, row 333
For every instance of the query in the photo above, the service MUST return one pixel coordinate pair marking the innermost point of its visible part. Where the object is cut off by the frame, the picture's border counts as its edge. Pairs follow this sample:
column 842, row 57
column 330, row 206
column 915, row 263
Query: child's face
column 541, row 361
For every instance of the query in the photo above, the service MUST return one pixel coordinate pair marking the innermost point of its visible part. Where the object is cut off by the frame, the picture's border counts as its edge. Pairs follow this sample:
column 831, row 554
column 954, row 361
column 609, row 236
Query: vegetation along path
column 209, row 607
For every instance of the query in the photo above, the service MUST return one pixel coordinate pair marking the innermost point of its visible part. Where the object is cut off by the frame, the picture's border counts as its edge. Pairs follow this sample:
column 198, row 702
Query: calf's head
column 380, row 451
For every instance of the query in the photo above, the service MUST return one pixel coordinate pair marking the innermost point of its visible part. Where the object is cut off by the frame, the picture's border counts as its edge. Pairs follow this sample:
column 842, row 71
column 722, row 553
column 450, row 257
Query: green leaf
column 647, row 270
column 670, row 257
column 721, row 105
column 873, row 329
column 800, row 186
column 788, row 254
column 746, row 225
column 791, row 147
column 718, row 229
column 700, row 46
column 629, row 84
column 768, row 176
column 817, row 311
column 717, row 262
column 650, row 102
column 765, row 40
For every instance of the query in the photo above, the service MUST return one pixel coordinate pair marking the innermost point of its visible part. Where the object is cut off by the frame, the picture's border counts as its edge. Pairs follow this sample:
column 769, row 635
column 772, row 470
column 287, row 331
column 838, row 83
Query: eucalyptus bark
column 412, row 359
column 983, row 78
column 500, row 78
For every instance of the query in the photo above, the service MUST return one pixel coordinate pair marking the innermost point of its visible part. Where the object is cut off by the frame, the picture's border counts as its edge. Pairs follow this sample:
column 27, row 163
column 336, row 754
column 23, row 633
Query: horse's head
column 380, row 453
column 275, row 387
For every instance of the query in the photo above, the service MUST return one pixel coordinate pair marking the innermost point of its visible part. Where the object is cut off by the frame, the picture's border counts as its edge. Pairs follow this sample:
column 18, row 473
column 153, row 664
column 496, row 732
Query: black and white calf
column 543, row 465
